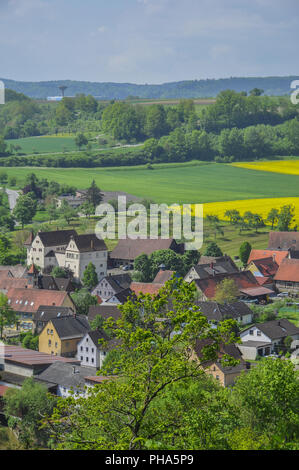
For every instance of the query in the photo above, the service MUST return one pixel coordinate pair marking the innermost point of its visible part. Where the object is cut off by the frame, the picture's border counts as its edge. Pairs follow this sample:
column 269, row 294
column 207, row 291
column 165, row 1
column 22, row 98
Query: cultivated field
column 258, row 206
column 193, row 182
column 289, row 167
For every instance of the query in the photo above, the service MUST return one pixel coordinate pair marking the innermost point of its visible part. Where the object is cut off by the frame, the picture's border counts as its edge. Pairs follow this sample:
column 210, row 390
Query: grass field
column 45, row 144
column 288, row 167
column 175, row 183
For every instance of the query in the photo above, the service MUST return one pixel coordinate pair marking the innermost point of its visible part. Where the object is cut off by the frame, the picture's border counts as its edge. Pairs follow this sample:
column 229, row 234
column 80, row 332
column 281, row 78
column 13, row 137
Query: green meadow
column 192, row 182
column 44, row 144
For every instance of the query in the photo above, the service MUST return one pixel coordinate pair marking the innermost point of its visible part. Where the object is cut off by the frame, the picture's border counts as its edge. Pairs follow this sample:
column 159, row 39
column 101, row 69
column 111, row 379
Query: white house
column 90, row 352
column 266, row 338
column 67, row 249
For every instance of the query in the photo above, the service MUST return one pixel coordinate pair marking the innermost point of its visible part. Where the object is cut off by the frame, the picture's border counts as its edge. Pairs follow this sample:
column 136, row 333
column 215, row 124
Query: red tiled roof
column 261, row 254
column 99, row 378
column 29, row 300
column 266, row 266
column 10, row 282
column 163, row 276
column 288, row 271
column 145, row 288
column 243, row 280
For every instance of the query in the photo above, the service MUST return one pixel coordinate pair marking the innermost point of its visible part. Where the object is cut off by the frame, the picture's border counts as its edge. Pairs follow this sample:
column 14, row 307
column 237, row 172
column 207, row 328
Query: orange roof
column 145, row 288
column 277, row 255
column 288, row 271
column 29, row 300
column 163, row 276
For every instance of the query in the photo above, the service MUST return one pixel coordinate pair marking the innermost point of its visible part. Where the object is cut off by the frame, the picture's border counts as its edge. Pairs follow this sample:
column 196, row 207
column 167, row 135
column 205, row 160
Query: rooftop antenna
column 62, row 88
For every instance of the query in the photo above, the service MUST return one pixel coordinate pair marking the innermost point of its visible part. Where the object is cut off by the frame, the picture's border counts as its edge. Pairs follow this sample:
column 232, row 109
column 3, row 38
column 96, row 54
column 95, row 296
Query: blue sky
column 147, row 41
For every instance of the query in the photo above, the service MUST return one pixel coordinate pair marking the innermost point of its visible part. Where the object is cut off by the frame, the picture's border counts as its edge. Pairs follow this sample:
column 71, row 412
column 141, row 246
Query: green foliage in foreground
column 159, row 398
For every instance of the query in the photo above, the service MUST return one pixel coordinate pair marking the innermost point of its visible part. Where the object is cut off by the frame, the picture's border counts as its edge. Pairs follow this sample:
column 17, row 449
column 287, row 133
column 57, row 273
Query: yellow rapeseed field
column 289, row 167
column 257, row 206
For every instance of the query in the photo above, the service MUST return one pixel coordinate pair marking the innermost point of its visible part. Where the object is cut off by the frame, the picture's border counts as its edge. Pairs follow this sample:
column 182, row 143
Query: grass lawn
column 177, row 183
column 291, row 313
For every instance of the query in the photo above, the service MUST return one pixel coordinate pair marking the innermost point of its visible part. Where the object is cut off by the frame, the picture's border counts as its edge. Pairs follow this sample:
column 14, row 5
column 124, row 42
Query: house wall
column 18, row 369
column 78, row 262
column 88, row 353
column 256, row 336
column 103, row 290
column 191, row 275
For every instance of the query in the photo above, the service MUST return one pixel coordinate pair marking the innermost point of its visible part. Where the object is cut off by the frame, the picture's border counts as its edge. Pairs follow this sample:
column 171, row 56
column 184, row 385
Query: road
column 12, row 198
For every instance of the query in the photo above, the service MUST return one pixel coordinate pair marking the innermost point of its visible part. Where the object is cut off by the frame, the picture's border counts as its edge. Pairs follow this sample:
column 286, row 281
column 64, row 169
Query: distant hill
column 183, row 89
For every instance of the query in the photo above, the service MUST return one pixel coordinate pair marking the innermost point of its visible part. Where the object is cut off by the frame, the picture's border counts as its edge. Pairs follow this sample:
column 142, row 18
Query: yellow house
column 60, row 336
column 226, row 375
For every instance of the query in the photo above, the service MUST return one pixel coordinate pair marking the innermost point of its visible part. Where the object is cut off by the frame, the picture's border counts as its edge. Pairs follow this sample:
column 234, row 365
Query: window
column 81, row 348
column 259, row 333
column 49, row 342
column 86, row 349
column 56, row 345
column 217, row 377
column 92, row 360
column 251, row 332
column 92, row 350
column 86, row 358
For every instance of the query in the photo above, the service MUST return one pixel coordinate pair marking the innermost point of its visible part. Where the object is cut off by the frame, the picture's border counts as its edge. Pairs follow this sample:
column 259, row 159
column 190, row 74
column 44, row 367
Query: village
column 70, row 352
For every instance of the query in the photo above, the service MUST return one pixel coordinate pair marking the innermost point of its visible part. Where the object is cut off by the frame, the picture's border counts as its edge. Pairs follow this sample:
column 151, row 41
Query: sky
column 147, row 41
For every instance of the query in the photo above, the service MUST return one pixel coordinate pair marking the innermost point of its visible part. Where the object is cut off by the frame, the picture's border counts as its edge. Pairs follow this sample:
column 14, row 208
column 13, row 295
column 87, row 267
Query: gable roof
column 29, row 357
column 46, row 312
column 66, row 375
column 16, row 271
column 218, row 267
column 29, row 300
column 283, row 241
column 129, row 249
column 163, row 276
column 276, row 255
column 57, row 237
column 219, row 312
column 229, row 349
column 245, row 281
column 105, row 311
column 277, row 328
column 89, row 242
column 288, row 271
column 11, row 282
column 146, row 288
column 118, row 282
column 123, row 295
column 70, row 326
column 266, row 266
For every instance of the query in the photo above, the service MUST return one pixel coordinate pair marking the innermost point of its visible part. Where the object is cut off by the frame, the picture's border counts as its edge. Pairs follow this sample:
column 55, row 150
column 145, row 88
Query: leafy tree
column 153, row 357
column 66, row 212
column 267, row 398
column 83, row 300
column 94, row 195
column 90, row 277
column 30, row 403
column 142, row 265
column 7, row 315
column 30, row 341
column 214, row 222
column 81, row 140
column 285, row 218
column 244, row 252
column 226, row 292
column 87, row 208
column 213, row 250
column 272, row 217
column 25, row 209
column 57, row 271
